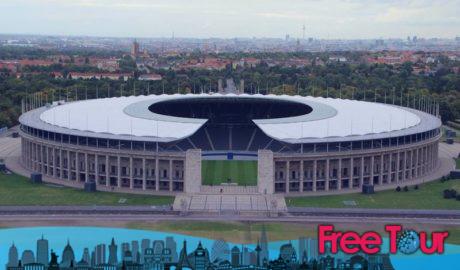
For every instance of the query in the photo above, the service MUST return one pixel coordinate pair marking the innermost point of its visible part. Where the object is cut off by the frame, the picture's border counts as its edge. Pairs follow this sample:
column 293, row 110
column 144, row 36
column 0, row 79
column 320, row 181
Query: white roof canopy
column 330, row 118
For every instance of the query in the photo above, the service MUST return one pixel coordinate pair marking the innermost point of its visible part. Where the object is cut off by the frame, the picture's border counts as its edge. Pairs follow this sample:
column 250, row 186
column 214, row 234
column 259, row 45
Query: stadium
column 230, row 143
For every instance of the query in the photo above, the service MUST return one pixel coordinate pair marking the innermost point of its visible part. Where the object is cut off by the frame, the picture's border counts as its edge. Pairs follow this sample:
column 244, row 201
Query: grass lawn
column 243, row 172
column 17, row 190
column 428, row 196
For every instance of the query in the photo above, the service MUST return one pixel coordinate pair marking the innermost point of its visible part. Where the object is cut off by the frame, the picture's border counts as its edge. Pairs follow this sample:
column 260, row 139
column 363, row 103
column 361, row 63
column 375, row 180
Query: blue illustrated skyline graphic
column 87, row 248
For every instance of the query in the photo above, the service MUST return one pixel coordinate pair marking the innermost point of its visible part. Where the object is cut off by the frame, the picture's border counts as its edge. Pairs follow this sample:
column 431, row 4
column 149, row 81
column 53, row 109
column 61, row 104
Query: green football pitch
column 242, row 172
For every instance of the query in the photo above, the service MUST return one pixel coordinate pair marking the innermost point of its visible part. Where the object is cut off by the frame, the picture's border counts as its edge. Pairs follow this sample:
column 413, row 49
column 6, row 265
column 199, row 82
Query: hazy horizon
column 203, row 19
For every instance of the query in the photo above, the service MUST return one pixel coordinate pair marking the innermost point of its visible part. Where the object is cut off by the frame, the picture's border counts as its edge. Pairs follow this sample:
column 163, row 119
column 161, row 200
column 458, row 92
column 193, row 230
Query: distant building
column 42, row 251
column 135, row 49
column 99, row 76
column 150, row 77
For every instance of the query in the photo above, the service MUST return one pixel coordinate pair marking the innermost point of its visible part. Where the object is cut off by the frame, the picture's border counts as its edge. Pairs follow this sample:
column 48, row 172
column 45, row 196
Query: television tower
column 303, row 31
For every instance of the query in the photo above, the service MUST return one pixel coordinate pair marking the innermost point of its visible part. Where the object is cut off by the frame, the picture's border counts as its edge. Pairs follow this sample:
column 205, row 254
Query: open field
column 428, row 196
column 243, row 172
column 17, row 190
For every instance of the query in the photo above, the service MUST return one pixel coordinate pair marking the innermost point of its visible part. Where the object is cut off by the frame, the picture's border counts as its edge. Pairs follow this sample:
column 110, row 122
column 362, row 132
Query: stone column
column 265, row 172
column 361, row 173
column 398, row 161
column 77, row 166
column 61, row 164
column 301, row 175
column 411, row 154
column 131, row 173
column 390, row 169
column 315, row 168
column 327, row 175
column 119, row 171
column 107, row 171
column 86, row 168
column 157, row 173
column 371, row 180
column 69, row 164
column 381, row 169
column 144, row 175
column 404, row 166
column 427, row 162
column 170, row 175
column 288, row 176
column 192, row 181
column 32, row 156
column 42, row 159
column 50, row 158
column 55, row 166
column 339, row 175
column 96, row 169
column 351, row 172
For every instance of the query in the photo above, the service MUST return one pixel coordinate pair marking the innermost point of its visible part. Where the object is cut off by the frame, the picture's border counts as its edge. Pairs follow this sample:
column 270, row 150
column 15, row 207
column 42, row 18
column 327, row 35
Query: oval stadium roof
column 330, row 120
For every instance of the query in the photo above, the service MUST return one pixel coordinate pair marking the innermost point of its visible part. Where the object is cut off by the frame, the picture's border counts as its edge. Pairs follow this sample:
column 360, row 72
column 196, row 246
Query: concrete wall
column 192, row 171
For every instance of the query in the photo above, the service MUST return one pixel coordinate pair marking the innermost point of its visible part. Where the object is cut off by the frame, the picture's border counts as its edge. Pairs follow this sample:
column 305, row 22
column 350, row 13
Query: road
column 152, row 213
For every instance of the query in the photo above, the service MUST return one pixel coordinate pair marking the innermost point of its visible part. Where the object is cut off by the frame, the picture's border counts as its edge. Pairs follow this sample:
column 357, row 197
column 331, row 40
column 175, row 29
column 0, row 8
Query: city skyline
column 163, row 254
column 205, row 19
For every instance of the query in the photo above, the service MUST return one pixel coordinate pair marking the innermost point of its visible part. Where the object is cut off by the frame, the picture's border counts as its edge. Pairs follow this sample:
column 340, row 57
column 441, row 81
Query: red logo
column 405, row 241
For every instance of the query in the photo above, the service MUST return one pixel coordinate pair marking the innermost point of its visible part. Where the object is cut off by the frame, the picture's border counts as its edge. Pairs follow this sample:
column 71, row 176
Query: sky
column 333, row 19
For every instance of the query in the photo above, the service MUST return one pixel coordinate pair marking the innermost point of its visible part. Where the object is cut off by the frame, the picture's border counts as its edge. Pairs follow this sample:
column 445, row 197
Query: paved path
column 229, row 203
column 10, row 147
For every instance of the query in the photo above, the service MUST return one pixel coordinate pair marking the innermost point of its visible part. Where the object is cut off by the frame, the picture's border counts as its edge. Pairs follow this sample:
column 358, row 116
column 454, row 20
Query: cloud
column 223, row 18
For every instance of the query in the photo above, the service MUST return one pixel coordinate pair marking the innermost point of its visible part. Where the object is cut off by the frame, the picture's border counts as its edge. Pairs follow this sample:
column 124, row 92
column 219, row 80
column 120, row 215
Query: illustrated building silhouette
column 86, row 257
column 264, row 253
column 183, row 261
column 124, row 249
column 258, row 250
column 200, row 257
column 145, row 244
column 135, row 251
column 42, row 251
column 220, row 251
column 27, row 257
column 13, row 258
column 159, row 257
column 113, row 259
column 99, row 254
column 172, row 246
column 236, row 257
column 68, row 256
column 288, row 253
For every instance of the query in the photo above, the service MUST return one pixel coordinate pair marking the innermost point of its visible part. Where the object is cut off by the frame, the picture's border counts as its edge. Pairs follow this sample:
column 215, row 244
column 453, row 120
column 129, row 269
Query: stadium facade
column 156, row 144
